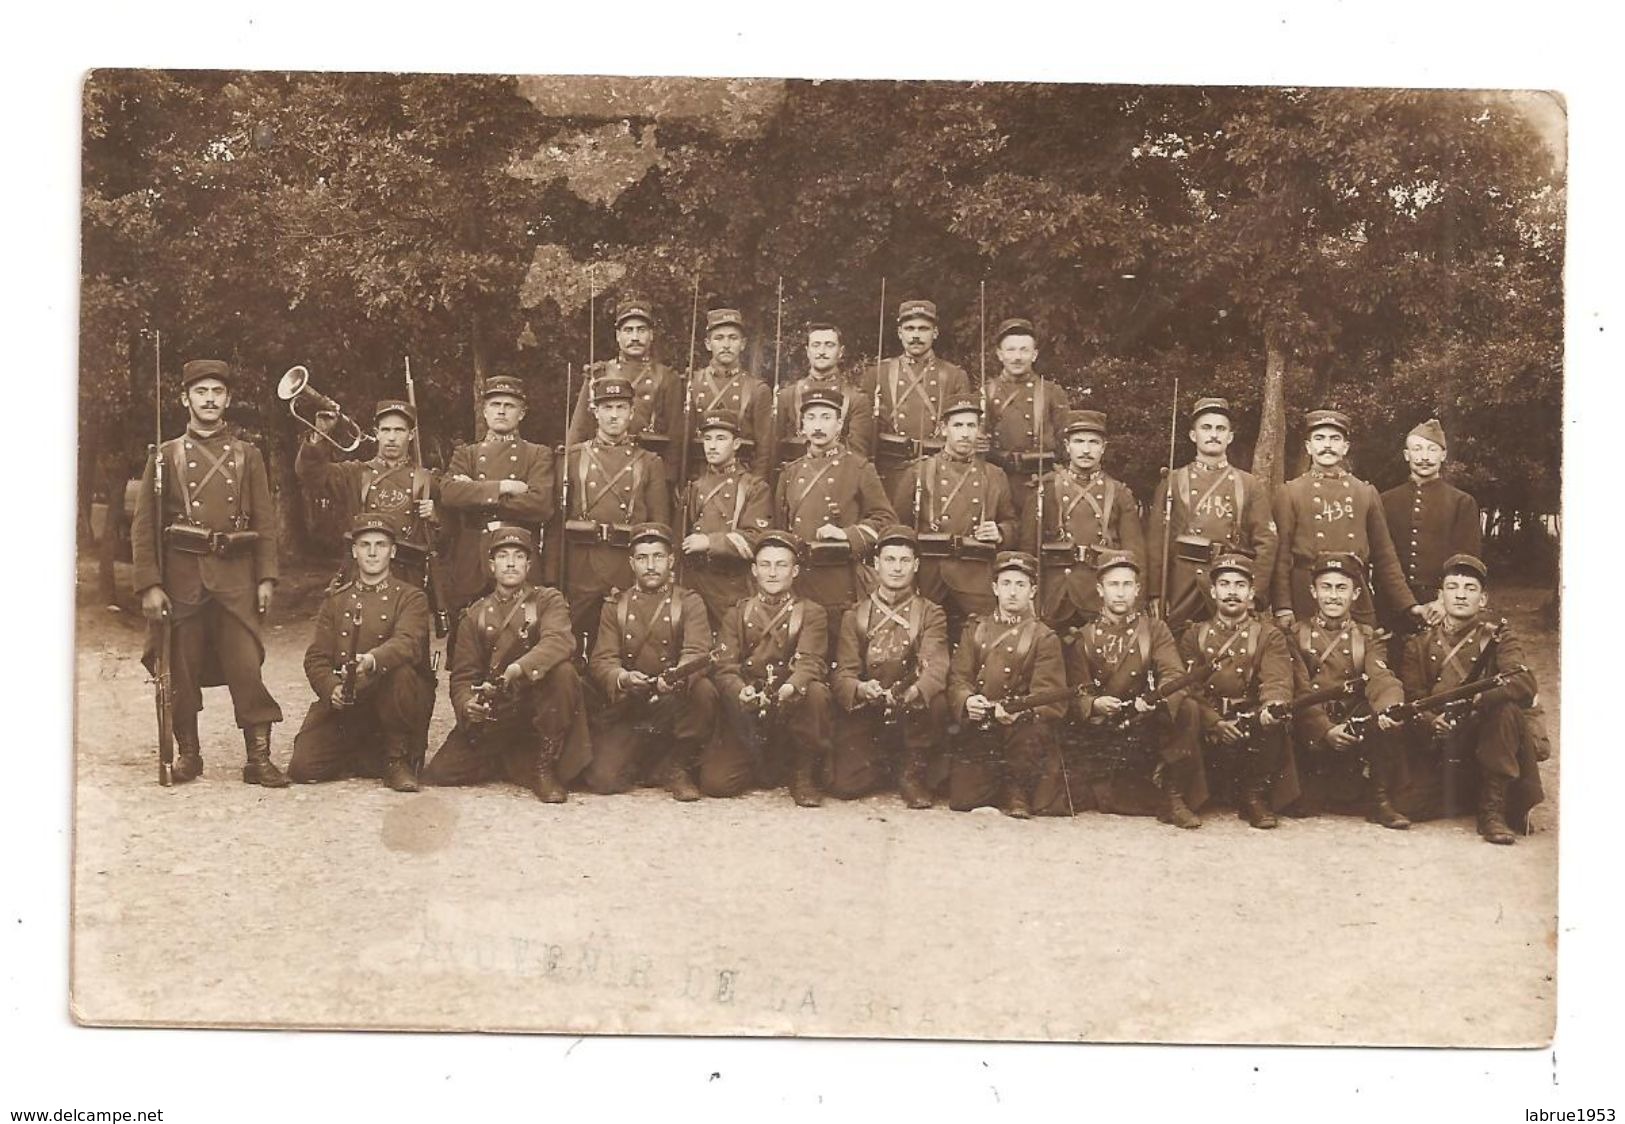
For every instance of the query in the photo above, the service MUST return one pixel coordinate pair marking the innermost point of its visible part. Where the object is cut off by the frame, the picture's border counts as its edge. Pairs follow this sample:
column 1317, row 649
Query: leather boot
column 188, row 758
column 398, row 772
column 1255, row 807
column 259, row 768
column 678, row 779
column 546, row 784
column 911, row 784
column 1178, row 812
column 1492, row 801
column 1382, row 811
column 1015, row 801
column 803, row 786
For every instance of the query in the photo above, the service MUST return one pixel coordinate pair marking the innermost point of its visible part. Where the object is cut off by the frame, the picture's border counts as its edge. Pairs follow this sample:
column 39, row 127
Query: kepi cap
column 909, row 309
column 1015, row 560
column 395, row 406
column 1319, row 419
column 1085, row 421
column 651, row 532
column 610, row 388
column 1338, row 562
column 789, row 540
column 899, row 534
column 1210, row 406
column 503, row 384
column 1465, row 564
column 1234, row 561
column 822, row 396
column 963, row 404
column 372, row 521
column 509, row 534
column 1015, row 326
column 719, row 419
column 195, row 370
column 1112, row 559
column 634, row 306
column 719, row 317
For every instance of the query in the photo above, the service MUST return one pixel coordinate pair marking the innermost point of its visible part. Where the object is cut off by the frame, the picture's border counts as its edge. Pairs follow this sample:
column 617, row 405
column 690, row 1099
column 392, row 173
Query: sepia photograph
column 974, row 560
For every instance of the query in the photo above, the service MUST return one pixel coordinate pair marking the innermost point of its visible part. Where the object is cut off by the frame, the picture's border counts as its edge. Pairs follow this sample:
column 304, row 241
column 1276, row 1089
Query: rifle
column 1020, row 705
column 162, row 688
column 771, row 462
column 496, row 690
column 349, row 671
column 1130, row 714
column 981, row 289
column 431, row 584
column 1249, row 719
column 1451, row 702
column 880, row 356
column 564, row 484
column 892, row 705
column 676, row 678
column 682, row 456
column 767, row 693
column 1168, row 501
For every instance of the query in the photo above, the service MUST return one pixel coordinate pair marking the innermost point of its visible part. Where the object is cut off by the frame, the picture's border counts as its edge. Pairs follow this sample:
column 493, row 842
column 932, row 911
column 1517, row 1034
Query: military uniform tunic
column 657, row 408
column 954, row 497
column 394, row 702
column 1429, row 521
column 391, row 488
column 612, row 488
column 1079, row 511
column 744, row 395
column 1221, row 504
column 650, row 632
column 730, row 508
column 1025, row 418
column 1321, row 511
column 1254, row 668
column 911, row 396
column 1325, row 655
column 213, row 484
column 470, row 493
column 857, row 417
column 839, row 487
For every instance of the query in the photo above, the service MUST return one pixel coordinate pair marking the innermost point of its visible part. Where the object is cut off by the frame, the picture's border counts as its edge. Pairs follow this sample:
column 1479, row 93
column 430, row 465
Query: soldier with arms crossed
column 369, row 666
column 218, row 539
column 654, row 724
column 891, row 671
column 515, row 691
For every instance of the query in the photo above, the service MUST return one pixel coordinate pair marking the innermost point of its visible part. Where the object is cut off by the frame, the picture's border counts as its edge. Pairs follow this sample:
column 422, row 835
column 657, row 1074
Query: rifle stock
column 163, row 688
column 431, row 583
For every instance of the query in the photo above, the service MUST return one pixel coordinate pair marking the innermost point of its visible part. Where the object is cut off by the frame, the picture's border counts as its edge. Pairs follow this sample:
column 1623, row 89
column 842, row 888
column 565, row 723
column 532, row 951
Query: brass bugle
column 294, row 388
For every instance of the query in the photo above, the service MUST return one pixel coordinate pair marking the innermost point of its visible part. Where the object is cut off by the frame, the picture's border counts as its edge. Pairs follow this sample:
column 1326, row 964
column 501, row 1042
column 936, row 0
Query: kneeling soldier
column 654, row 646
column 369, row 666
column 1330, row 649
column 890, row 671
column 771, row 662
column 1482, row 735
column 515, row 691
column 1139, row 730
column 1007, row 689
column 1251, row 682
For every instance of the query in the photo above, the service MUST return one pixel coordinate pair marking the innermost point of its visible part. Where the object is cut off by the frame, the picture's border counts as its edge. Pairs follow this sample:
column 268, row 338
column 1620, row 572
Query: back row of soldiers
column 944, row 529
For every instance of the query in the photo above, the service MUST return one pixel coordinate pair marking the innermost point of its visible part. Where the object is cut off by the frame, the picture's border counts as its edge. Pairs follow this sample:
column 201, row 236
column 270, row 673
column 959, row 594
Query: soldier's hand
column 1003, row 716
column 633, row 680
column 977, row 708
column 698, row 542
column 512, row 487
column 1286, row 618
column 512, row 672
column 869, row 690
column 1266, row 717
column 262, row 597
column 325, row 421
column 1386, row 723
column 748, row 695
column 478, row 710
column 1154, row 607
column 988, row 531
column 366, row 663
column 1441, row 724
column 663, row 686
column 1433, row 612
column 1107, row 705
column 829, row 532
column 787, row 691
column 913, row 697
column 1229, row 731
column 155, row 603
column 336, row 699
column 1143, row 707
column 1339, row 737
column 983, row 443
column 426, row 509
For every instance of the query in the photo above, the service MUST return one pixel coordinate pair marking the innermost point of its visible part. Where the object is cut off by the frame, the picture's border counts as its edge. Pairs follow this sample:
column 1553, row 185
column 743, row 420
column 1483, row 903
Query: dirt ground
column 346, row 905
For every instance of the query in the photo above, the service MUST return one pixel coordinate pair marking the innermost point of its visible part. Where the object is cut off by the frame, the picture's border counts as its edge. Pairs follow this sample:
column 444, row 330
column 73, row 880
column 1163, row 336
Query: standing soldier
column 515, row 691
column 1138, row 757
column 1481, row 746
column 1428, row 519
column 220, row 567
column 614, row 485
column 1003, row 756
column 1216, row 508
column 654, row 723
column 910, row 391
column 725, row 385
column 770, row 676
column 369, row 666
column 832, row 500
column 1086, row 513
column 1329, row 508
column 725, row 509
column 657, row 396
column 891, row 671
column 1026, row 413
column 1333, row 648
column 503, row 478
column 961, row 508
column 1252, row 669
column 824, row 353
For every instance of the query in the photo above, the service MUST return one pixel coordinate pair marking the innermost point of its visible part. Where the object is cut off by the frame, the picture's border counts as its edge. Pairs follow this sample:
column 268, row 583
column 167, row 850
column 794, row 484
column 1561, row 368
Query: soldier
column 388, row 483
column 657, row 394
column 724, row 509
column 1085, row 513
column 725, row 385
column 614, row 485
column 369, row 666
column 1026, row 413
column 1483, row 747
column 655, row 722
column 1001, row 755
column 909, row 392
column 962, row 510
column 1216, row 507
column 1332, row 648
column 772, row 657
column 503, row 478
column 219, row 569
column 1155, row 763
column 824, row 353
column 515, row 691
column 832, row 500
column 1252, row 669
column 890, row 674
column 1428, row 519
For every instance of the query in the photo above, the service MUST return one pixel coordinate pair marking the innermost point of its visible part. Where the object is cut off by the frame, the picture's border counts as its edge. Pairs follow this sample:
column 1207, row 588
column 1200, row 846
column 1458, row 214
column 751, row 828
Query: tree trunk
column 1269, row 456
column 113, row 528
column 476, row 339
